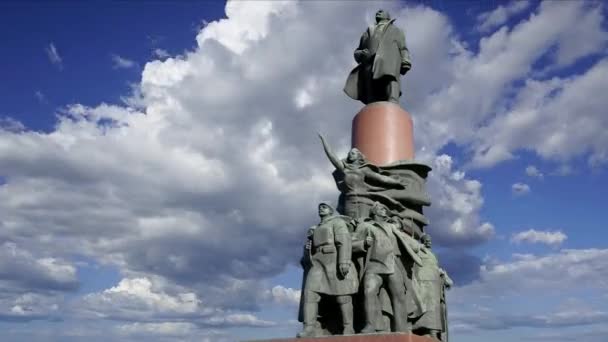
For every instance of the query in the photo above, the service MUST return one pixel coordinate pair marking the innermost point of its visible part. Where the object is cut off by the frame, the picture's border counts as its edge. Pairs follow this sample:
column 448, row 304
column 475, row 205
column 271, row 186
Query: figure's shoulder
column 362, row 167
column 395, row 29
column 341, row 222
column 370, row 166
column 340, row 219
column 367, row 223
column 362, row 226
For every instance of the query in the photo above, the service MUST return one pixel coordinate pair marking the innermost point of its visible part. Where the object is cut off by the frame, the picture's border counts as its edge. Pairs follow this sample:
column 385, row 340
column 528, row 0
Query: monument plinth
column 392, row 337
column 384, row 133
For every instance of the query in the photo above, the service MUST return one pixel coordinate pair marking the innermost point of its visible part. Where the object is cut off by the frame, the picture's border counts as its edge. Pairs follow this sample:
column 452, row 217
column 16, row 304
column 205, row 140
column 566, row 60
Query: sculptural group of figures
column 368, row 266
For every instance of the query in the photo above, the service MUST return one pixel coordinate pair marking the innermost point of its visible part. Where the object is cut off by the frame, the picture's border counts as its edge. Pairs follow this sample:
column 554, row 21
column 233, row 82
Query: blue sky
column 159, row 164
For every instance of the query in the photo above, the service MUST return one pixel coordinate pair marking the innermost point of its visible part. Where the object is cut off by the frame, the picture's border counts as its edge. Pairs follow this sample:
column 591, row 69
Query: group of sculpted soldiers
column 401, row 284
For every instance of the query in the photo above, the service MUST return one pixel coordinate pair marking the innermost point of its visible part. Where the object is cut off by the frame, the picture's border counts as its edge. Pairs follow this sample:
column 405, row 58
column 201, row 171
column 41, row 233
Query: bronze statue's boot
column 310, row 321
column 308, row 331
column 401, row 323
column 347, row 318
column 368, row 329
column 394, row 92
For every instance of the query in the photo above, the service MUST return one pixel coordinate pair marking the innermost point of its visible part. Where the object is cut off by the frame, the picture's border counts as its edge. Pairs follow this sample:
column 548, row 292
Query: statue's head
column 325, row 209
column 426, row 240
column 379, row 210
column 354, row 155
column 382, row 15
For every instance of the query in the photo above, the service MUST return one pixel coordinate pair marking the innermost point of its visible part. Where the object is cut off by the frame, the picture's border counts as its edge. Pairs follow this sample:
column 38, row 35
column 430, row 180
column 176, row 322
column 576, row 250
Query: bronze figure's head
column 382, row 15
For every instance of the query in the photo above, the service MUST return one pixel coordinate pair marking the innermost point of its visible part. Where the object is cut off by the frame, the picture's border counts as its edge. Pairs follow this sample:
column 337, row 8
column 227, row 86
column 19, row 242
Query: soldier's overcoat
column 431, row 289
column 331, row 246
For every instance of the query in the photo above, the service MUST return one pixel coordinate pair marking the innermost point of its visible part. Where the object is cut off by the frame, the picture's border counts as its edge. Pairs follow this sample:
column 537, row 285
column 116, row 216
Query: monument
column 369, row 272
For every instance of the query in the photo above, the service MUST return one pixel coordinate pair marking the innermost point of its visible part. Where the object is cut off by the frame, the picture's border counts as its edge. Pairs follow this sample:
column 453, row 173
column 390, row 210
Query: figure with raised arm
column 356, row 179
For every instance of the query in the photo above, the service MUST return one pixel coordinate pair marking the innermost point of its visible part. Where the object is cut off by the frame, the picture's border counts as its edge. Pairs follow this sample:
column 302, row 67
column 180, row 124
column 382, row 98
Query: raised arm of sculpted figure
column 338, row 164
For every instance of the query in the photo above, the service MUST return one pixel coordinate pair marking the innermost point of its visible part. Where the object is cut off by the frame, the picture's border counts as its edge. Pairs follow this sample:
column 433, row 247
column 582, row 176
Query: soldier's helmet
column 327, row 204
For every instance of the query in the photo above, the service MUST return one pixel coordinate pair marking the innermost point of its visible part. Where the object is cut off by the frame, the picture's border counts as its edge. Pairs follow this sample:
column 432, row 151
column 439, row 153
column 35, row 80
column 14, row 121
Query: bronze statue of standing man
column 433, row 282
column 383, row 241
column 331, row 273
column 383, row 57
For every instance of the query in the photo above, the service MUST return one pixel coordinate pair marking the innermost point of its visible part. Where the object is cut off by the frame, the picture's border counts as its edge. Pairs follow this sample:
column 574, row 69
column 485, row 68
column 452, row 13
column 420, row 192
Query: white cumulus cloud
column 500, row 15
column 285, row 295
column 137, row 298
column 533, row 171
column 520, row 188
column 457, row 200
column 551, row 238
column 500, row 298
column 205, row 187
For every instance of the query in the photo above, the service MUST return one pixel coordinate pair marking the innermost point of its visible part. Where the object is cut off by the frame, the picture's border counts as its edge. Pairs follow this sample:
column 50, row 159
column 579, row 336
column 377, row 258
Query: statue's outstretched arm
column 338, row 164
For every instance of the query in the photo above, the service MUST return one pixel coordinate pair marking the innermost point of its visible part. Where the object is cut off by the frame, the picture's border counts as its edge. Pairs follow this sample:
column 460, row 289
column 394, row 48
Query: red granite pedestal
column 384, row 133
column 389, row 337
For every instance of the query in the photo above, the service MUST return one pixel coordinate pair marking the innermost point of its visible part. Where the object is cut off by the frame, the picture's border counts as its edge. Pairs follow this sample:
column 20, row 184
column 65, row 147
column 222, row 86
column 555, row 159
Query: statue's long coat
column 432, row 287
column 331, row 246
column 391, row 59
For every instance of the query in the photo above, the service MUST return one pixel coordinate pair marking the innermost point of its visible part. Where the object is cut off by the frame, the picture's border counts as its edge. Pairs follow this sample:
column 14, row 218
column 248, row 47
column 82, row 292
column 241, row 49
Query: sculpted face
column 325, row 209
column 380, row 211
column 354, row 155
column 382, row 15
column 427, row 241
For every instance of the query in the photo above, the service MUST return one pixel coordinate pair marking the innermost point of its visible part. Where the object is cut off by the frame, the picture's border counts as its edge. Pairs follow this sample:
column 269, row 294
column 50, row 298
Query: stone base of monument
column 383, row 132
column 388, row 337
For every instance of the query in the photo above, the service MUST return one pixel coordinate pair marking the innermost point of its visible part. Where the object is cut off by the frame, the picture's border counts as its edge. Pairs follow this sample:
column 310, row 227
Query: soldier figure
column 383, row 240
column 330, row 273
column 382, row 56
column 433, row 281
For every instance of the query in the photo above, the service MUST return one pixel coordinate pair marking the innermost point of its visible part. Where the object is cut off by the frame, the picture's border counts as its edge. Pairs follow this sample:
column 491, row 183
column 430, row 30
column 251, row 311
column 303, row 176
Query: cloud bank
column 201, row 186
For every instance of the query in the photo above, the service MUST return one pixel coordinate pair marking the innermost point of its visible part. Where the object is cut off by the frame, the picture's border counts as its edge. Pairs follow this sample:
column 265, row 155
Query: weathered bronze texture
column 382, row 58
